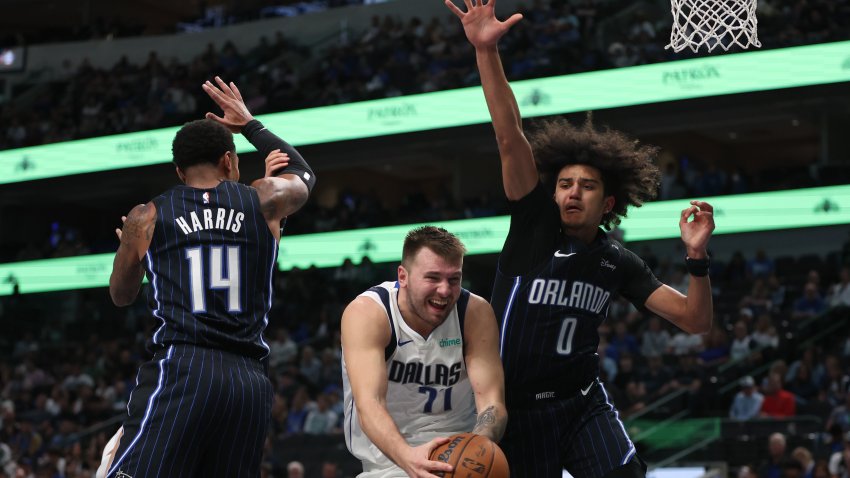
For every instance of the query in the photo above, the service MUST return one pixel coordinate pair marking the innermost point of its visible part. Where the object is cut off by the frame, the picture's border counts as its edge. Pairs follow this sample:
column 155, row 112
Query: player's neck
column 205, row 179
column 585, row 234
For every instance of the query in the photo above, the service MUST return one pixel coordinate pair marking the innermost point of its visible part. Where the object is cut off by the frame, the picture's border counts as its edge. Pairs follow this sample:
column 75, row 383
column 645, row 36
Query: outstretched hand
column 229, row 99
column 695, row 234
column 480, row 24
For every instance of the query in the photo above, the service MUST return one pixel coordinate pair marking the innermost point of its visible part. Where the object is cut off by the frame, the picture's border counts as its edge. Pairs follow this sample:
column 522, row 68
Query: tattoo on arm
column 486, row 419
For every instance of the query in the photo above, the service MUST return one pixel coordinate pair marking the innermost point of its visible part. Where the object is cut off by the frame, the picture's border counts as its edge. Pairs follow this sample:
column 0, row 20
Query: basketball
column 471, row 456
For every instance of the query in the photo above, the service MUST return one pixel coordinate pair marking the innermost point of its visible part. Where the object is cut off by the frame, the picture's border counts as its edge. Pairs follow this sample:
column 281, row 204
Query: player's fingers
column 437, row 442
column 515, row 18
column 468, row 4
column 704, row 206
column 686, row 213
column 213, row 92
column 123, row 219
column 221, row 84
column 236, row 92
column 439, row 466
column 118, row 233
column 457, row 11
column 214, row 117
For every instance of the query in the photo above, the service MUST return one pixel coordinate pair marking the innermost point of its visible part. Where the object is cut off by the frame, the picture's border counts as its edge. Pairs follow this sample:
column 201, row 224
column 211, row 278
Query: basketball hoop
column 713, row 23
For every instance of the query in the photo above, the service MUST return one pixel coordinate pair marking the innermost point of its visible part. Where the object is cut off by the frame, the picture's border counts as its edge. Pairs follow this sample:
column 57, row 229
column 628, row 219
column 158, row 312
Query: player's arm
column 484, row 367
column 127, row 268
column 365, row 335
column 280, row 197
column 692, row 313
column 238, row 119
column 483, row 30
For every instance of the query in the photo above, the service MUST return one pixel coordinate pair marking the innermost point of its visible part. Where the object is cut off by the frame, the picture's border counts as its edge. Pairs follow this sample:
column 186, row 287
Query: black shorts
column 582, row 434
column 195, row 412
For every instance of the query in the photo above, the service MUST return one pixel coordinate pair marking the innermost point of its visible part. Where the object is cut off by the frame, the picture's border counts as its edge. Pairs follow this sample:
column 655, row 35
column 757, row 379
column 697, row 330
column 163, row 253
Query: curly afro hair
column 626, row 166
column 201, row 142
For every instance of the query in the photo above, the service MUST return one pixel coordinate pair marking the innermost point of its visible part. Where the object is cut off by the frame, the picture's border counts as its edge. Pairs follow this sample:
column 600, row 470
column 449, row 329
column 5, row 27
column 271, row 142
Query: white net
column 713, row 23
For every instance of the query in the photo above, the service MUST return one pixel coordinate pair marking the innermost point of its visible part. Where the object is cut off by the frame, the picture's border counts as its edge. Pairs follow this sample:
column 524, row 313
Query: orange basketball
column 471, row 456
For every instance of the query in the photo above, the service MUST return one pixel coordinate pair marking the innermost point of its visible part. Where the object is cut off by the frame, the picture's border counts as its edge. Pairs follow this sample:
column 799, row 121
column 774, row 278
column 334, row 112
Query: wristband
column 697, row 267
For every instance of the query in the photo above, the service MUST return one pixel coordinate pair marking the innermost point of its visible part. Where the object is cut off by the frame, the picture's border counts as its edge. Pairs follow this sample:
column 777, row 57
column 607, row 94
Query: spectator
column 295, row 470
column 839, row 462
column 330, row 470
column 747, row 403
column 811, row 304
column 742, row 345
column 807, row 462
column 839, row 293
column 778, row 403
column 322, row 419
column 776, row 456
column 283, row 349
column 655, row 340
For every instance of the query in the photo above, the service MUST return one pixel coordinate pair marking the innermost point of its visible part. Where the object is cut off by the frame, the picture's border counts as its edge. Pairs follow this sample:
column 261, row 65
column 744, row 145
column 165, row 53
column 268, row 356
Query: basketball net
column 713, row 23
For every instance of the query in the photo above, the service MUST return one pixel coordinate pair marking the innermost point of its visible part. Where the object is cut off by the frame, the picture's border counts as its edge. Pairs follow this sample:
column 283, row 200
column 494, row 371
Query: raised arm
column 127, row 268
column 284, row 190
column 692, row 313
column 483, row 30
column 365, row 335
column 484, row 367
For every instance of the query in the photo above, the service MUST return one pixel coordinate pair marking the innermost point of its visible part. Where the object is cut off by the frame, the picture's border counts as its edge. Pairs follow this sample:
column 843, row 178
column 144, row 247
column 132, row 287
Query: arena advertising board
column 810, row 207
column 646, row 84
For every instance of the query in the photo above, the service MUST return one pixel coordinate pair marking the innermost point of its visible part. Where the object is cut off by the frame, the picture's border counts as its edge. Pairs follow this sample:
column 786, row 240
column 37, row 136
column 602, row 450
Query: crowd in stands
column 392, row 57
column 58, row 381
column 208, row 17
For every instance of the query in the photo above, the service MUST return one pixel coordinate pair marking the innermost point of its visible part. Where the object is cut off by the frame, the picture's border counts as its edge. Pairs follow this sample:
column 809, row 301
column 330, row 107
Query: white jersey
column 428, row 393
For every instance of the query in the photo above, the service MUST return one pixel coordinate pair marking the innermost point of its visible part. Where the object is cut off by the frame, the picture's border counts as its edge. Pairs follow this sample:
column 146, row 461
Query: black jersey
column 210, row 265
column 553, row 291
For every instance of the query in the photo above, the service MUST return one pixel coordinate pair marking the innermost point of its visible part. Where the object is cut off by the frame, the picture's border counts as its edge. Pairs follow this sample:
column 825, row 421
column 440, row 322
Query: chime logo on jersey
column 417, row 372
column 579, row 295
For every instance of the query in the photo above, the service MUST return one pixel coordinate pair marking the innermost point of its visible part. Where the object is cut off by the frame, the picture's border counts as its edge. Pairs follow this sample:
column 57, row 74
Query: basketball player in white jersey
column 420, row 357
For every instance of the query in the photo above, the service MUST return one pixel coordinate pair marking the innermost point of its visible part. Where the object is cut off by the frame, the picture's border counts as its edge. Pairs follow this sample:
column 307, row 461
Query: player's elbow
column 120, row 299
column 121, row 296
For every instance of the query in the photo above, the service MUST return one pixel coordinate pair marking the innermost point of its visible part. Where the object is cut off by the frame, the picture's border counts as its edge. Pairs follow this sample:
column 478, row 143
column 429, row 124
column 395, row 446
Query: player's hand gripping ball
column 472, row 456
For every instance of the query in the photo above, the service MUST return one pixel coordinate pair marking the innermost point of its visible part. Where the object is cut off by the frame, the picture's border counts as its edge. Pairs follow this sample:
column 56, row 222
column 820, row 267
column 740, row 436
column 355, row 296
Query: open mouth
column 439, row 304
column 572, row 209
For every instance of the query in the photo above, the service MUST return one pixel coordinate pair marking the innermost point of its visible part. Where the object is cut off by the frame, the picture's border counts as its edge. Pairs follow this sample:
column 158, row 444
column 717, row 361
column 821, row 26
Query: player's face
column 580, row 196
column 431, row 286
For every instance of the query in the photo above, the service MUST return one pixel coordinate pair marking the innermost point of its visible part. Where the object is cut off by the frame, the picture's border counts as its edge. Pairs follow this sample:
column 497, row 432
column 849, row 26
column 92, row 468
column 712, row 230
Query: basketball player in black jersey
column 208, row 247
column 558, row 271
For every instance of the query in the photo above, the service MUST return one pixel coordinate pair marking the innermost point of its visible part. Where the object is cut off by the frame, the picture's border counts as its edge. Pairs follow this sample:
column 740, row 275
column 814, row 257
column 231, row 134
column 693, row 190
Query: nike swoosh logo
column 403, row 343
column 558, row 254
column 585, row 391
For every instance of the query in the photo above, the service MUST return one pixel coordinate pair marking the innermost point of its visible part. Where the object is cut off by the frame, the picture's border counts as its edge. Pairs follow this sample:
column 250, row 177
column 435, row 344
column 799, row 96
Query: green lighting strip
column 659, row 220
column 669, row 81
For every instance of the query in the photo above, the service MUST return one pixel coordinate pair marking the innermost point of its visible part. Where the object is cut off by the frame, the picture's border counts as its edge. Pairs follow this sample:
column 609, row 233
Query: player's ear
column 227, row 160
column 402, row 276
column 180, row 174
column 609, row 204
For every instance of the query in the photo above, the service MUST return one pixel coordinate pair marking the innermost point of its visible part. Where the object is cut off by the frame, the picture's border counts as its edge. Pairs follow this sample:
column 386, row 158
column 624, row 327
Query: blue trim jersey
column 210, row 265
column 429, row 393
column 550, row 295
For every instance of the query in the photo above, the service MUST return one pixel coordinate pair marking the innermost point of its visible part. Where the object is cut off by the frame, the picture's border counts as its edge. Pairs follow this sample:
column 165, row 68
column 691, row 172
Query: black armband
column 697, row 267
column 265, row 141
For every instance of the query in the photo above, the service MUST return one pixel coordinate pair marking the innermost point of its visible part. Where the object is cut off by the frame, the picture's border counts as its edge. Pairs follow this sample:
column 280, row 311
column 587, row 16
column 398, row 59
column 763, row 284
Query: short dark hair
column 626, row 166
column 442, row 242
column 201, row 142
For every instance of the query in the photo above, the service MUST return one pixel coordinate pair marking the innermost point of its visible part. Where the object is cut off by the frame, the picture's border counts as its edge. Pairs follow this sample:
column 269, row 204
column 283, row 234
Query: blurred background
column 372, row 93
